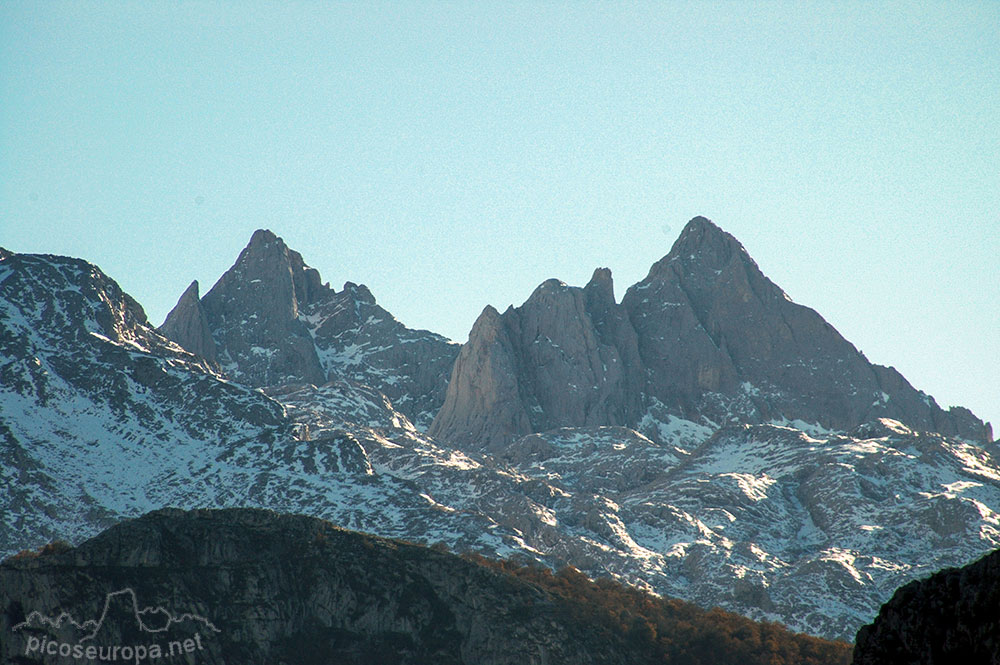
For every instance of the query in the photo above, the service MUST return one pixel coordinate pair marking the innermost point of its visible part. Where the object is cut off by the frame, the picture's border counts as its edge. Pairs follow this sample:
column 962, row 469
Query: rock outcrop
column 950, row 617
column 271, row 321
column 187, row 325
column 705, row 337
column 566, row 357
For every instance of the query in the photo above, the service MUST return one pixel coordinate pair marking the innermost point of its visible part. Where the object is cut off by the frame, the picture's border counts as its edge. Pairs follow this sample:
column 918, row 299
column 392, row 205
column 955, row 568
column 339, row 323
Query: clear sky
column 450, row 155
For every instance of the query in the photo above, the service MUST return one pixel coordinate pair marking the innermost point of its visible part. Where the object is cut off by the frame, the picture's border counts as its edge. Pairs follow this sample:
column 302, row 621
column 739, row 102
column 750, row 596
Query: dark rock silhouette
column 950, row 617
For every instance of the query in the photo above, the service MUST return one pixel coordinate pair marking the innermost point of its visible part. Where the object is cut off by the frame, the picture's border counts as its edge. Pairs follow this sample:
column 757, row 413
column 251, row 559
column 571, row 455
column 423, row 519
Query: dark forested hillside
column 270, row 588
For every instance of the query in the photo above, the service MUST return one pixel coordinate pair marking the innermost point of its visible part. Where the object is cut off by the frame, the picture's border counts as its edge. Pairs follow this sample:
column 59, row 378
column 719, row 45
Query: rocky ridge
column 567, row 357
column 271, row 321
column 102, row 418
column 806, row 525
column 87, row 389
column 705, row 338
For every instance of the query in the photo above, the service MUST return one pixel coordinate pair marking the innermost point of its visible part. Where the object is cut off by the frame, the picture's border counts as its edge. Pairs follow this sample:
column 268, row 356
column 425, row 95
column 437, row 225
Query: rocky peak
column 262, row 238
column 271, row 321
column 600, row 288
column 487, row 325
column 361, row 293
column 252, row 313
column 700, row 242
column 187, row 325
column 483, row 405
column 268, row 269
column 566, row 357
column 77, row 299
column 706, row 337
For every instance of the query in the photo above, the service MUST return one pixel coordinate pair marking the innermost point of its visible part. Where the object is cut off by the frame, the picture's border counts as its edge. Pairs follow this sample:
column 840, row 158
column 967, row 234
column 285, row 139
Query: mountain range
column 705, row 438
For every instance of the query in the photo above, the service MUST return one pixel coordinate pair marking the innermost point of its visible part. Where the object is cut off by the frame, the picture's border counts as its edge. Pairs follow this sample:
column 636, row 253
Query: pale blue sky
column 451, row 155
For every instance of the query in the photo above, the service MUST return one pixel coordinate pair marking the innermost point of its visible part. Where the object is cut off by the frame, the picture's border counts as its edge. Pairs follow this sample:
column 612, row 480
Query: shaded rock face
column 950, row 617
column 704, row 337
column 566, row 357
column 266, row 588
column 359, row 341
column 273, row 322
column 719, row 339
column 253, row 313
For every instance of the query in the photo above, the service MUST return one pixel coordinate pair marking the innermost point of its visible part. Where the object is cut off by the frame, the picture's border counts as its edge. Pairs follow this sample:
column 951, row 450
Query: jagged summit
column 601, row 276
column 268, row 268
column 103, row 418
column 706, row 337
column 253, row 314
column 565, row 357
column 264, row 237
column 270, row 320
column 488, row 319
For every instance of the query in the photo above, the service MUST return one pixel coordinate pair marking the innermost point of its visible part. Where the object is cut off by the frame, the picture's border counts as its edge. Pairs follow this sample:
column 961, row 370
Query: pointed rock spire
column 274, row 322
column 187, row 325
column 253, row 311
column 701, row 246
column 601, row 287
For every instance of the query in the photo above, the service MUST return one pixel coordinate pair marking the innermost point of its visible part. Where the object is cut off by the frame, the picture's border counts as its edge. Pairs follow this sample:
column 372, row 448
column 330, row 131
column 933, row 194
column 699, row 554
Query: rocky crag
column 88, row 389
column 103, row 418
column 704, row 338
column 271, row 321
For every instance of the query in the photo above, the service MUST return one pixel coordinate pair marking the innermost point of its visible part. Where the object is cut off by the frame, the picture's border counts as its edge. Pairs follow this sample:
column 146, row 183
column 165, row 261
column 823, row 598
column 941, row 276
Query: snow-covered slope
column 814, row 531
column 103, row 418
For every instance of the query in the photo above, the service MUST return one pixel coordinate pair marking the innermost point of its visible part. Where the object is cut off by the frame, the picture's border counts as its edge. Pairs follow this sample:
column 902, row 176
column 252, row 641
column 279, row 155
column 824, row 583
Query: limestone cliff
column 705, row 338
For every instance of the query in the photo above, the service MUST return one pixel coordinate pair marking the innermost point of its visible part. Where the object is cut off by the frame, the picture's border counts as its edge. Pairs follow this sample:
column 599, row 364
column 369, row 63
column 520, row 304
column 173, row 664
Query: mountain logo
column 122, row 632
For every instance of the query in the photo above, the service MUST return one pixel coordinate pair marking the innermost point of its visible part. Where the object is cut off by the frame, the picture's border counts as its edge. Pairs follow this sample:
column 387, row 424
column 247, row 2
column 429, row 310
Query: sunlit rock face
column 566, row 357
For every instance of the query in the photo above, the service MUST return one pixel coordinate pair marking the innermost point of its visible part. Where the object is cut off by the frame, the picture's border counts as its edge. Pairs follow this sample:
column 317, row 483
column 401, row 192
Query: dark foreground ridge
column 950, row 617
column 252, row 586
